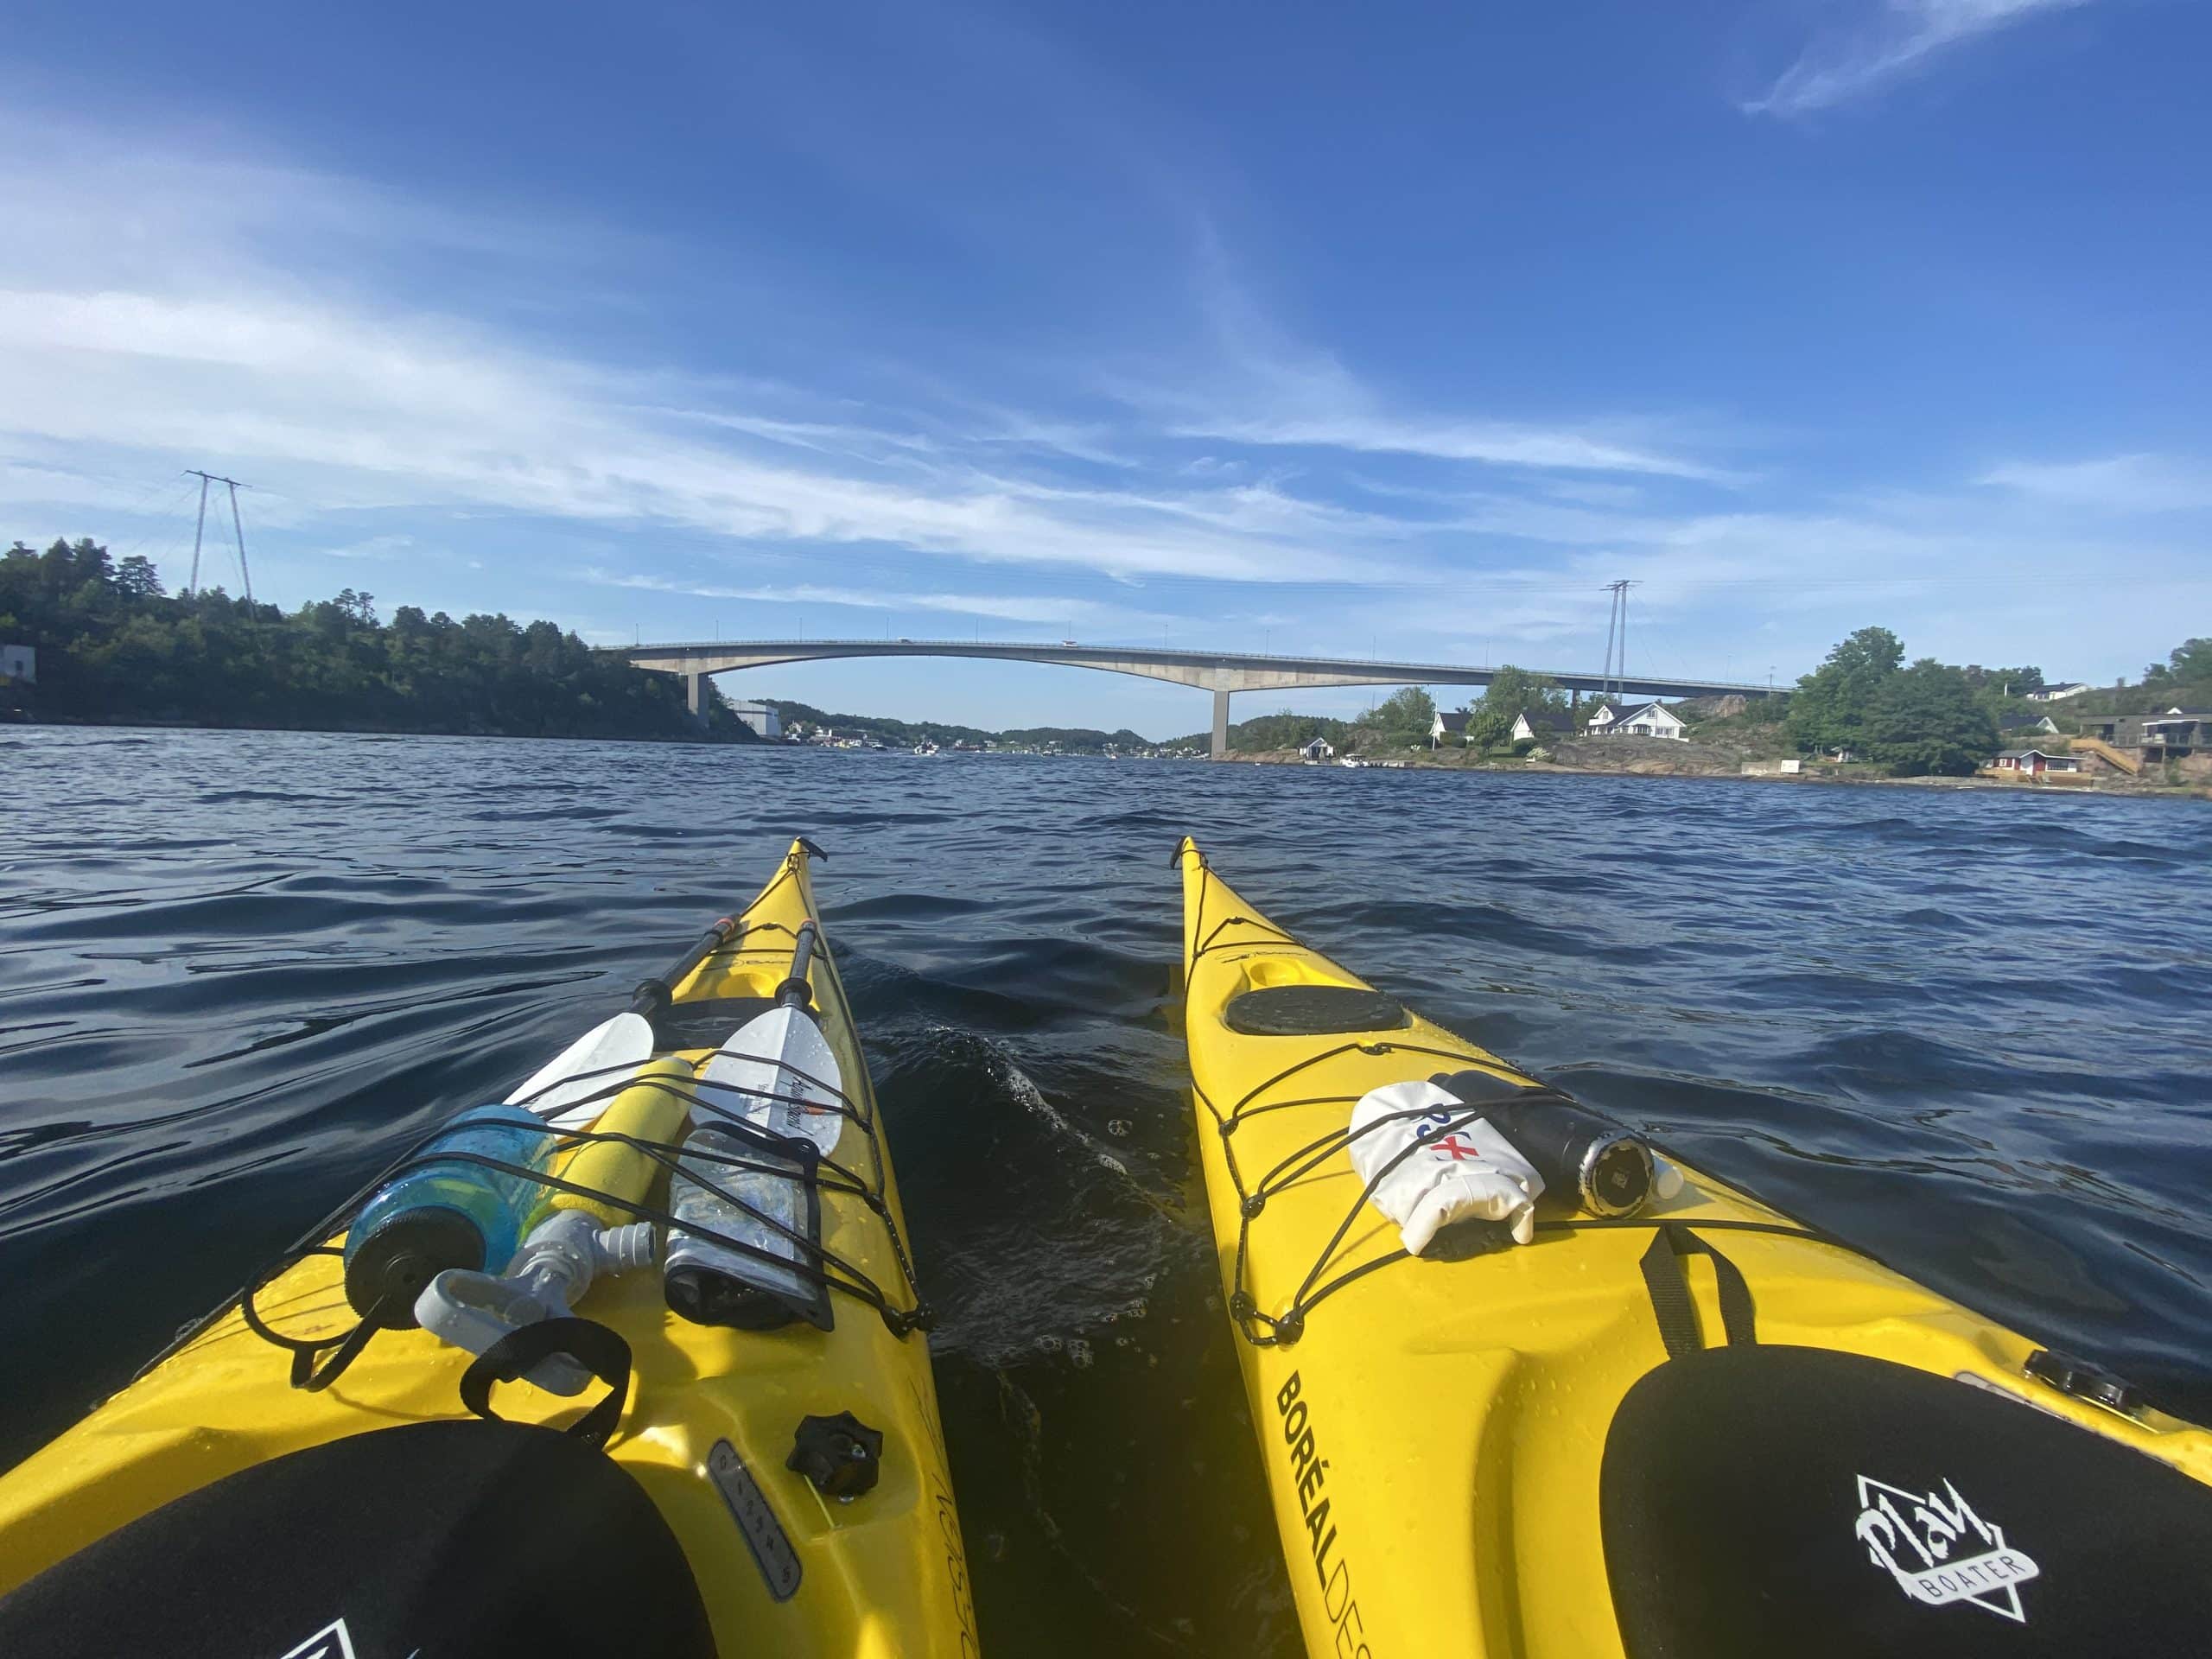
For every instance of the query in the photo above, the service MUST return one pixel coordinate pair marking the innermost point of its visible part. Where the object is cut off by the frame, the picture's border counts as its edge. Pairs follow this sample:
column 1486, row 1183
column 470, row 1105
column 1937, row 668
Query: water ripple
column 238, row 971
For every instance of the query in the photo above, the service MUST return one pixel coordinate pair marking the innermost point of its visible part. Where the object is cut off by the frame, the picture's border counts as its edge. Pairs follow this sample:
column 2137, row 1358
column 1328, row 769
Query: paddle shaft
column 654, row 995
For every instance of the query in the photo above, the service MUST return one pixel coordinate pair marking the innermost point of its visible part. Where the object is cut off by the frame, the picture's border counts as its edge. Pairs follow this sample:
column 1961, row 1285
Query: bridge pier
column 1220, row 723
column 695, row 691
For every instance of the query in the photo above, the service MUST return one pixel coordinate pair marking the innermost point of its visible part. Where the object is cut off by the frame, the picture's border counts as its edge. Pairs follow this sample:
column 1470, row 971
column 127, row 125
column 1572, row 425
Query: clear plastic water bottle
column 448, row 1213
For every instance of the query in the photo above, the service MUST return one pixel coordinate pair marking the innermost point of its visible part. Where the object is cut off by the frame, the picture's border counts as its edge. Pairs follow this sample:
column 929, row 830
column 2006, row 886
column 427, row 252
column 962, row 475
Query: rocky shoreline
column 1658, row 758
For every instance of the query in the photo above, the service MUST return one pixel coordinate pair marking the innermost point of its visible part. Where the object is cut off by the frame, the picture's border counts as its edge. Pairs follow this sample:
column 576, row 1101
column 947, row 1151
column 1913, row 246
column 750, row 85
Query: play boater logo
column 333, row 1641
column 1940, row 1551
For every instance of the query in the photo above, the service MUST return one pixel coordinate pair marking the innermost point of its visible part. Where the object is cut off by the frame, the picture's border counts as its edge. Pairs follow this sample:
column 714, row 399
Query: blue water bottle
column 448, row 1213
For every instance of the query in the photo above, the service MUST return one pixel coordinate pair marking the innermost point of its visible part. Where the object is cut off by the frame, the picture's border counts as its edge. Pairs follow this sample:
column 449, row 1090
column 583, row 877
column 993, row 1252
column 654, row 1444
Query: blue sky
column 1317, row 328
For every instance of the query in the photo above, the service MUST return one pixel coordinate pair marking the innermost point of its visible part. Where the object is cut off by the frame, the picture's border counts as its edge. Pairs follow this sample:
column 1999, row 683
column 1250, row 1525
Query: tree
column 2191, row 663
column 2005, row 681
column 1924, row 719
column 1514, row 691
column 1830, row 707
column 136, row 577
column 1404, row 717
column 1487, row 726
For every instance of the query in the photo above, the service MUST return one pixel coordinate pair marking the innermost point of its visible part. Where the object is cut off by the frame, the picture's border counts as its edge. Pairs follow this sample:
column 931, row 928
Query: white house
column 1318, row 750
column 19, row 663
column 2059, row 693
column 1653, row 720
column 1443, row 726
column 1542, row 726
column 1600, row 717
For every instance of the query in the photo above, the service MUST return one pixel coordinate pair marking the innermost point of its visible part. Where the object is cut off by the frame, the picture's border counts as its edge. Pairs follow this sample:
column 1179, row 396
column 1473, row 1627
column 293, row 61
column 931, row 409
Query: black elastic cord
column 313, row 1377
column 310, row 1371
column 1674, row 1307
column 591, row 1345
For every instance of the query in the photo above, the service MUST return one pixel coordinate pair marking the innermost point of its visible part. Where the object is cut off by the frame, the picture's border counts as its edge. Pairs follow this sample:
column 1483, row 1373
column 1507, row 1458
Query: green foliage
column 1830, row 706
column 2189, row 663
column 1924, row 719
column 1282, row 731
column 1516, row 691
column 1488, row 726
column 2003, row 683
column 1511, row 693
column 112, row 647
column 1401, row 721
column 2185, row 679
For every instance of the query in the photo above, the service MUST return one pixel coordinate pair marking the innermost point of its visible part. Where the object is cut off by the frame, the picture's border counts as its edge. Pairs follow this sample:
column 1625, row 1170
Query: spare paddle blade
column 778, row 1070
column 574, row 1087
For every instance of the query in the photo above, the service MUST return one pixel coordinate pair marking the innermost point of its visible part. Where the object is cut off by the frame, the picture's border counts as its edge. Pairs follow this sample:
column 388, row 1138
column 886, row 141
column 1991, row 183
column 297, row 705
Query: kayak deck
column 1433, row 1431
column 882, row 1575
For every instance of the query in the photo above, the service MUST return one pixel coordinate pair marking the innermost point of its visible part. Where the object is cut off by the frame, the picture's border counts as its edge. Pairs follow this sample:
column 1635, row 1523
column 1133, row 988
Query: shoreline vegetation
column 1638, row 758
column 114, row 649
column 1863, row 716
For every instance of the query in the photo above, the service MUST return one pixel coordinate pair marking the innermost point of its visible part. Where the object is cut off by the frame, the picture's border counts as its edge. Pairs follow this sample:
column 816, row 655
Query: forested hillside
column 113, row 648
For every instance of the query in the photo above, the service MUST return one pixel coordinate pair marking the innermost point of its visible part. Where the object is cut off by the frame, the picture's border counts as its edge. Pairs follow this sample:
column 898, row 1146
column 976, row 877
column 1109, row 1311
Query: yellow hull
column 881, row 1575
column 1458, row 1410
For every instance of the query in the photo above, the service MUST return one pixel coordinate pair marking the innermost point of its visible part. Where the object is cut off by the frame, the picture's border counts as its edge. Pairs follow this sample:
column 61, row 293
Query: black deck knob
column 841, row 1455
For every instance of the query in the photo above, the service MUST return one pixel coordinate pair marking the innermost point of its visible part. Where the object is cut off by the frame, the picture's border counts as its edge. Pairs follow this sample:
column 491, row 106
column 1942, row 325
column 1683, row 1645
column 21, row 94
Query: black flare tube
column 1586, row 1158
column 795, row 992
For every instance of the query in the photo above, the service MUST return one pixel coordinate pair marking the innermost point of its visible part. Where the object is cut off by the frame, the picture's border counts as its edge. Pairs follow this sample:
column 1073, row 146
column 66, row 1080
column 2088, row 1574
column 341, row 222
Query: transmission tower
column 237, row 526
column 1616, row 670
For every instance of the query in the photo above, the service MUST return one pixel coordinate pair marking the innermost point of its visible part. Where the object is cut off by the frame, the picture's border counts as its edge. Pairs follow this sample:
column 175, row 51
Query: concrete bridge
column 1219, row 672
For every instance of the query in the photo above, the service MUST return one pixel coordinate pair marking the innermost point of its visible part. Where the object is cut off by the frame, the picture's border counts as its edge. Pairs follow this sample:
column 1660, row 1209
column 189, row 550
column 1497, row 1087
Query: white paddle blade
column 572, row 1091
column 790, row 1074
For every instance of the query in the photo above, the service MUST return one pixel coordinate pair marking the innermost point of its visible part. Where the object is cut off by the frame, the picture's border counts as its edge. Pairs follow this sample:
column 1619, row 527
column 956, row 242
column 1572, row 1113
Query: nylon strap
column 1671, row 1291
column 600, row 1350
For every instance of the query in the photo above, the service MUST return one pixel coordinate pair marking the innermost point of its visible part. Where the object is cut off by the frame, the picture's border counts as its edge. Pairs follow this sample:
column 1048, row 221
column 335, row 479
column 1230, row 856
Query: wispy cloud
column 1366, row 431
column 1042, row 609
column 1269, row 389
column 1225, row 484
column 340, row 401
column 2126, row 484
column 362, row 410
column 1854, row 60
column 376, row 547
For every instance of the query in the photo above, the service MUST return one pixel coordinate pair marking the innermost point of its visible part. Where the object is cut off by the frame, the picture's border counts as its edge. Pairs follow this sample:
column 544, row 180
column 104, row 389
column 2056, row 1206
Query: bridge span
column 1220, row 672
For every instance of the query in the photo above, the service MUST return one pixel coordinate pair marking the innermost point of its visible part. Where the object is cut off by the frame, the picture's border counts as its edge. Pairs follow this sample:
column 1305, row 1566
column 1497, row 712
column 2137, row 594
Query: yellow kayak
column 714, row 1489
column 1683, row 1426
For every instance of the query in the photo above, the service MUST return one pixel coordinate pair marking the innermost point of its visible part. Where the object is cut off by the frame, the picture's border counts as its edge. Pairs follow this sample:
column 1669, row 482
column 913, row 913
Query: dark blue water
column 238, row 972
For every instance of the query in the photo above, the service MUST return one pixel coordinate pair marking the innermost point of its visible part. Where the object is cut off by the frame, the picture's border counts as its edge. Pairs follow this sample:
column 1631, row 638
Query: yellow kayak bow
column 1702, row 1429
column 780, row 1565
